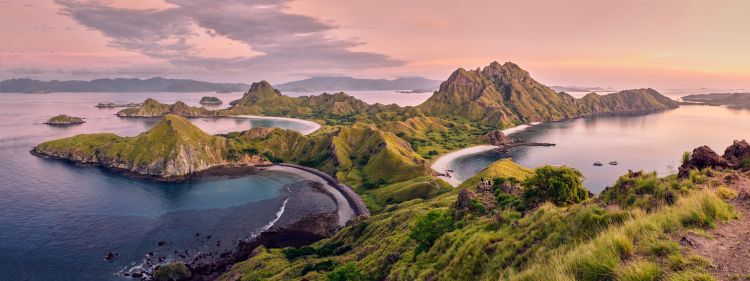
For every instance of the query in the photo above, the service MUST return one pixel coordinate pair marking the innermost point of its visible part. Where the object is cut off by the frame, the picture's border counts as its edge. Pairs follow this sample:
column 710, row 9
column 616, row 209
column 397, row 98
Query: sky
column 608, row 43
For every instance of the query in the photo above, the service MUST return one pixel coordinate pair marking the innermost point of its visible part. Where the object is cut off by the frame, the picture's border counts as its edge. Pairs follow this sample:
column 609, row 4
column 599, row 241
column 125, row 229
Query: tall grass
column 608, row 256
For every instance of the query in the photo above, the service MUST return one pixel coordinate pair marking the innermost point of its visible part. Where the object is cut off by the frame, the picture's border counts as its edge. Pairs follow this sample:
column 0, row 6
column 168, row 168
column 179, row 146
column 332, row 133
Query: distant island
column 155, row 84
column 64, row 120
column 210, row 101
column 735, row 100
column 582, row 89
column 345, row 83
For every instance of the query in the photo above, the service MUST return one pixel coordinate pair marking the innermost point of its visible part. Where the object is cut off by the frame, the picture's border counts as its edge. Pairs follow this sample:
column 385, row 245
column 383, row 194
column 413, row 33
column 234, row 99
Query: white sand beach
column 311, row 126
column 445, row 162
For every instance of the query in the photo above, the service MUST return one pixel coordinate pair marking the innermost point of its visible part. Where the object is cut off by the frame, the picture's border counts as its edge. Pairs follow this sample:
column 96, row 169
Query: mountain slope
column 153, row 108
column 506, row 95
column 174, row 148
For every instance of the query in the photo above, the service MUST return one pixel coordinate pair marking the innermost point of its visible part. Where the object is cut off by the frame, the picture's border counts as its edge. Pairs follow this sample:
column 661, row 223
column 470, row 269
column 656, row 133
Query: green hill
column 153, row 108
column 174, row 148
column 504, row 95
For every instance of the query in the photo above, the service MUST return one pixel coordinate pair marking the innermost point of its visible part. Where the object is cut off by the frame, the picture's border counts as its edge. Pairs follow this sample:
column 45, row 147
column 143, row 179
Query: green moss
column 175, row 271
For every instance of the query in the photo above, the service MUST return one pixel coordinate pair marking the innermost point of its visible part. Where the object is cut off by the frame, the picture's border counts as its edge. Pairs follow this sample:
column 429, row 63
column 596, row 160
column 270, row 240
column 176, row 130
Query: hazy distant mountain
column 569, row 89
column 156, row 84
column 344, row 83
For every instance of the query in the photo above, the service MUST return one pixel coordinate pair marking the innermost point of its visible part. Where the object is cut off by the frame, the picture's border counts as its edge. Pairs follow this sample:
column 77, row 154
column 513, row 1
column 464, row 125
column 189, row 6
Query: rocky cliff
column 506, row 95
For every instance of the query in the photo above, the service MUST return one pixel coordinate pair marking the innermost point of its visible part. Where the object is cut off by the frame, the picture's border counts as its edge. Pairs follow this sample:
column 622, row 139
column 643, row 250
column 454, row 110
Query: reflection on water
column 58, row 220
column 652, row 142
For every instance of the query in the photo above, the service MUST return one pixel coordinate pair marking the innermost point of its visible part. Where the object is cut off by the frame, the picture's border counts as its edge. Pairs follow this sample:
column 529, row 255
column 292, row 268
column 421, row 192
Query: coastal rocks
column 738, row 151
column 702, row 157
column 210, row 101
column 64, row 120
column 498, row 138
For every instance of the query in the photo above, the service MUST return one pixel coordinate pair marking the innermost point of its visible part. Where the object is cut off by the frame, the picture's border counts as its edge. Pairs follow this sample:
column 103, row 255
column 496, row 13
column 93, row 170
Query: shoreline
column 314, row 126
column 443, row 163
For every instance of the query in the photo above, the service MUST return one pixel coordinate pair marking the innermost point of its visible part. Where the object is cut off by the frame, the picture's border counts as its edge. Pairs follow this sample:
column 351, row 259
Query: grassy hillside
column 153, row 108
column 595, row 240
column 173, row 148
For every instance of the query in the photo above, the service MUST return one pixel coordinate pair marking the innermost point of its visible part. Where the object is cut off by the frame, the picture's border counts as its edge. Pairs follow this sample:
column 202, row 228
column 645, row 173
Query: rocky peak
column 498, row 138
column 738, row 151
column 702, row 157
column 263, row 88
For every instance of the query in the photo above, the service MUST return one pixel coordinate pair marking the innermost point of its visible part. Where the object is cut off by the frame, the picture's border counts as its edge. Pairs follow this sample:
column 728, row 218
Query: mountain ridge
column 348, row 83
column 132, row 85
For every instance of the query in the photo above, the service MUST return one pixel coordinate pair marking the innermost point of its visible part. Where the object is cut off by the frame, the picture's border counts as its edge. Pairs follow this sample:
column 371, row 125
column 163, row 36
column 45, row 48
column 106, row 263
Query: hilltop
column 153, row 108
column 155, row 84
column 506, row 95
column 345, row 83
column 173, row 149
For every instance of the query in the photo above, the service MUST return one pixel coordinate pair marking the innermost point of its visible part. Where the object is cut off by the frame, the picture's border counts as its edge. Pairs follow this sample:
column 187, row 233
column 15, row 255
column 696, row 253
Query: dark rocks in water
column 702, row 157
column 109, row 256
column 136, row 274
column 498, row 138
column 738, row 151
column 161, row 243
column 197, row 234
column 208, row 237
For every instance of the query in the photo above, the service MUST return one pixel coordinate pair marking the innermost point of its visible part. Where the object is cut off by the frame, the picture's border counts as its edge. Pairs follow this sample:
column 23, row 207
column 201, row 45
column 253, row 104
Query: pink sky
column 618, row 43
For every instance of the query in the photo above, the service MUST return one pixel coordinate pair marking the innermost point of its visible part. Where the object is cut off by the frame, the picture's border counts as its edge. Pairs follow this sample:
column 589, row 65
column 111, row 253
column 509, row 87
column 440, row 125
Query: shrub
column 429, row 228
column 725, row 193
column 347, row 272
column 686, row 157
column 559, row 185
column 326, row 265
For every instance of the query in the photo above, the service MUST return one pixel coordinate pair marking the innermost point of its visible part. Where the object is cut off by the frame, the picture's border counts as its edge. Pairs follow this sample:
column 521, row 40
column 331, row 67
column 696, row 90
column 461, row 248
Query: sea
column 58, row 220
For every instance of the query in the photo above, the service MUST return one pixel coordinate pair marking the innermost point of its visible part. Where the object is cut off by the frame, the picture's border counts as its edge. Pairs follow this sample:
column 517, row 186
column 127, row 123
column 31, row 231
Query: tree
column 429, row 228
column 347, row 272
column 559, row 185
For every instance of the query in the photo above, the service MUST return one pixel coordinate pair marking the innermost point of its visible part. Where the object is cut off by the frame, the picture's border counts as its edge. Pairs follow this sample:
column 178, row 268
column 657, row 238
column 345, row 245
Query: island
column 64, row 120
column 508, row 221
column 113, row 105
column 210, row 101
column 734, row 100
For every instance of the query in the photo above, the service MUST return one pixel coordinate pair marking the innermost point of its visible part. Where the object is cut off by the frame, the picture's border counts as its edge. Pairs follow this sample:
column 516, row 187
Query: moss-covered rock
column 175, row 271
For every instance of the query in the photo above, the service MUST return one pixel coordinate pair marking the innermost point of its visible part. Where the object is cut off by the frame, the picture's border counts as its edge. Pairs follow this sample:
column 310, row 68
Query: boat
column 598, row 163
column 614, row 163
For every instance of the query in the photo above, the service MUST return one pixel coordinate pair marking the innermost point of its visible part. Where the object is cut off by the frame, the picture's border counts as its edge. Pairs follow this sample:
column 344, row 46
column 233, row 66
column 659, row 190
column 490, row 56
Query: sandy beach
column 443, row 163
column 312, row 126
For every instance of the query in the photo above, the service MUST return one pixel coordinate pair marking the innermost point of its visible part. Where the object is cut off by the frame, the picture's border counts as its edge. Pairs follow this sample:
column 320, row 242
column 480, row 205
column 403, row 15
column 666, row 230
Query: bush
column 347, row 272
column 173, row 271
column 429, row 228
column 686, row 157
column 559, row 185
column 321, row 266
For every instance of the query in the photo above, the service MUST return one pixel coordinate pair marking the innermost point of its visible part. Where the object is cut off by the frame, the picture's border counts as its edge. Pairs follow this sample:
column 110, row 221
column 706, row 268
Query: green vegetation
column 63, row 119
column 172, row 272
column 159, row 151
column 429, row 228
column 429, row 239
column 153, row 108
column 559, row 185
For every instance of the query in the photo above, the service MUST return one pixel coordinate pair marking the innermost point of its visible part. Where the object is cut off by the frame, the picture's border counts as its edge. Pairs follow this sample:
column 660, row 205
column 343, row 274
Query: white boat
column 598, row 163
column 614, row 163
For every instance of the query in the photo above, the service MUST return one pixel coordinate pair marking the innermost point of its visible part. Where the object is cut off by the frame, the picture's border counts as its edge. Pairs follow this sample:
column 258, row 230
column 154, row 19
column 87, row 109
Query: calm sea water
column 58, row 220
column 652, row 142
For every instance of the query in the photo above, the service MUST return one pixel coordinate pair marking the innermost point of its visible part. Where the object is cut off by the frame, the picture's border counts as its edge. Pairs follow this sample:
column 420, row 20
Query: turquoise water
column 58, row 220
column 652, row 142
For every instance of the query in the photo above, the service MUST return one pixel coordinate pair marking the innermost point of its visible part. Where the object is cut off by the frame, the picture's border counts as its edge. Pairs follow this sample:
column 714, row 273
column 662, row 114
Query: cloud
column 282, row 42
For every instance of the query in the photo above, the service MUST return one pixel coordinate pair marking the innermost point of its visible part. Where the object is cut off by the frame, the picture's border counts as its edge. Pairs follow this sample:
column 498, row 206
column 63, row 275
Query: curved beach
column 349, row 204
column 443, row 163
column 312, row 126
